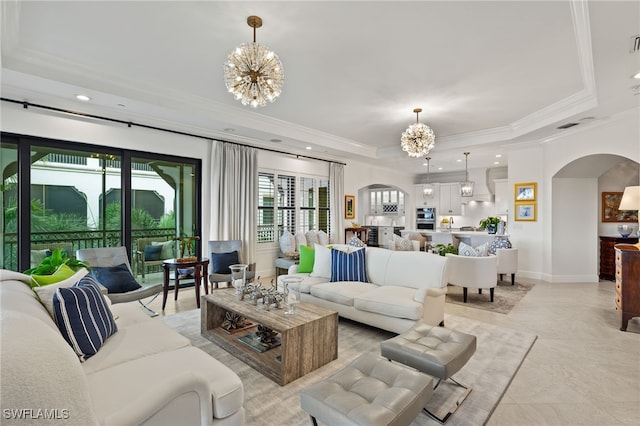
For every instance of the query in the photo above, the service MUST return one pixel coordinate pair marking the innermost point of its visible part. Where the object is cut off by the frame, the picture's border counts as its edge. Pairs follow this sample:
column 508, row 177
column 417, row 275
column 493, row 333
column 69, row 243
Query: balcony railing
column 79, row 239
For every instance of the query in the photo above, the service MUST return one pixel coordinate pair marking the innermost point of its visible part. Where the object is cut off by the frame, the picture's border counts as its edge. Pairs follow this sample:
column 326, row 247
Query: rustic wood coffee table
column 309, row 339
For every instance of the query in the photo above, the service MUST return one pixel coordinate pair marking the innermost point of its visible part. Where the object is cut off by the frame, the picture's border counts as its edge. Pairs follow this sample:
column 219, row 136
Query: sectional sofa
column 398, row 289
column 144, row 373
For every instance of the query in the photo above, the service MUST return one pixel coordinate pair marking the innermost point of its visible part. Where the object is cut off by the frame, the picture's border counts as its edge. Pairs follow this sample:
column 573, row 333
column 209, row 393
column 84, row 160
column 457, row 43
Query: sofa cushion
column 305, row 285
column 83, row 317
column 159, row 372
column 133, row 342
column 307, row 257
column 117, row 279
column 220, row 262
column 342, row 292
column 377, row 261
column 348, row 266
column 152, row 252
column 390, row 301
column 40, row 370
column 301, row 240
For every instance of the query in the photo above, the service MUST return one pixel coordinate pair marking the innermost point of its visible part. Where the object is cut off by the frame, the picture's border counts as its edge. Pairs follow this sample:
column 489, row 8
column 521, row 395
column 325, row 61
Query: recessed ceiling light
column 637, row 75
column 498, row 155
column 439, row 168
column 275, row 140
column 308, row 147
column 496, row 162
column 229, row 129
column 83, row 98
column 458, row 161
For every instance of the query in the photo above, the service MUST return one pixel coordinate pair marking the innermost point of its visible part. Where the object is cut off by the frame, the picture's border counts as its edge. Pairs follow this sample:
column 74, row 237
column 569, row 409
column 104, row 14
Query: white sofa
column 145, row 373
column 403, row 287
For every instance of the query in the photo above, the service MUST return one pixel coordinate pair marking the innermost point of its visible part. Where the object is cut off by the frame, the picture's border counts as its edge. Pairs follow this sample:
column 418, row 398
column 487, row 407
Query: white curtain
column 336, row 191
column 234, row 195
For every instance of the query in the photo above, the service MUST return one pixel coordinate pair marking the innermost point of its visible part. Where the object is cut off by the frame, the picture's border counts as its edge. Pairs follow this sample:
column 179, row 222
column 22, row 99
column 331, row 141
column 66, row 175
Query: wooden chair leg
column 464, row 294
column 501, row 275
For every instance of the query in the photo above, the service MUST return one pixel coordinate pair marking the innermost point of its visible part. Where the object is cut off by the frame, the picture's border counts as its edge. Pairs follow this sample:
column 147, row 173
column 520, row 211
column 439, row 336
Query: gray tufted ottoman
column 436, row 351
column 369, row 391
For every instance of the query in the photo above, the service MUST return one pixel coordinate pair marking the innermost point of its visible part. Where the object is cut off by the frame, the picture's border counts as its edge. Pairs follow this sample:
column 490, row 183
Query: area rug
column 499, row 354
column 506, row 296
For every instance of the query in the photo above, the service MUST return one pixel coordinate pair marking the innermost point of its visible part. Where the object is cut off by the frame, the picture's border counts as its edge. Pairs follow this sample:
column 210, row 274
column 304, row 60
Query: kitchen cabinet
column 450, row 200
column 432, row 201
column 386, row 201
column 502, row 196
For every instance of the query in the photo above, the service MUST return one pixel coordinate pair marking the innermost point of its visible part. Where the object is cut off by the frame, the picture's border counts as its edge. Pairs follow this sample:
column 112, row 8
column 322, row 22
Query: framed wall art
column 525, row 191
column 526, row 212
column 350, row 206
column 610, row 212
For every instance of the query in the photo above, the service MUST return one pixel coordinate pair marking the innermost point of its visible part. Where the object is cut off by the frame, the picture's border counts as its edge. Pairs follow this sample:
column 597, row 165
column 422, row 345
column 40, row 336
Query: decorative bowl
column 625, row 230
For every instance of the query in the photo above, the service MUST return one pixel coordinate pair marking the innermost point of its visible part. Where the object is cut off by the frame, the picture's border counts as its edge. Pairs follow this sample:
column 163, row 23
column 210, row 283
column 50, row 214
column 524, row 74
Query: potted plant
column 53, row 263
column 441, row 249
column 490, row 224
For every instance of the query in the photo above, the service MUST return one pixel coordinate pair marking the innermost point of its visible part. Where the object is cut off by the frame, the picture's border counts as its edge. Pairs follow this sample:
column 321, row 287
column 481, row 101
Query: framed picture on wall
column 610, row 212
column 526, row 212
column 525, row 191
column 349, row 206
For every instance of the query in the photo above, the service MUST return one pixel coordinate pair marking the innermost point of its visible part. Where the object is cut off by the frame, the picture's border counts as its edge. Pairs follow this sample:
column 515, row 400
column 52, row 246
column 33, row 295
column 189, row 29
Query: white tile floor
column 581, row 370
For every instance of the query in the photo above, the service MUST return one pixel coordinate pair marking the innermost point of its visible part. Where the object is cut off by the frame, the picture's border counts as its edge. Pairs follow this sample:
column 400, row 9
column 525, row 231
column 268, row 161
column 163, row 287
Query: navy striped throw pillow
column 348, row 266
column 83, row 317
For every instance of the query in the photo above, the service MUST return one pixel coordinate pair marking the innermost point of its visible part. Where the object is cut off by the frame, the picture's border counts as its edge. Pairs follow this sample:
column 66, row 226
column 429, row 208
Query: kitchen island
column 472, row 238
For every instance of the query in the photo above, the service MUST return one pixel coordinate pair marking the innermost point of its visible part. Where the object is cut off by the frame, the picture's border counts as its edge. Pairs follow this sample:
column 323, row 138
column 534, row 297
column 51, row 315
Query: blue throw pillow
column 220, row 262
column 348, row 266
column 152, row 252
column 117, row 279
column 83, row 317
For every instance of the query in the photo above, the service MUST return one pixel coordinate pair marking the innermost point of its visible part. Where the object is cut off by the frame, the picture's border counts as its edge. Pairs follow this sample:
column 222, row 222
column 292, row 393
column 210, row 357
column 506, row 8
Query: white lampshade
column 630, row 198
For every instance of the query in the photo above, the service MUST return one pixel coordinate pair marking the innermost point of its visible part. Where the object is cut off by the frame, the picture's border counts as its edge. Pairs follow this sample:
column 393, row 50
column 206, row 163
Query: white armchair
column 473, row 272
column 507, row 262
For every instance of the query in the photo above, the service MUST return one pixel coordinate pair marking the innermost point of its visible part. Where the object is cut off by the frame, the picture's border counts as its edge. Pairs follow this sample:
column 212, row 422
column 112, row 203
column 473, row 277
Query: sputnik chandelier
column 252, row 72
column 418, row 139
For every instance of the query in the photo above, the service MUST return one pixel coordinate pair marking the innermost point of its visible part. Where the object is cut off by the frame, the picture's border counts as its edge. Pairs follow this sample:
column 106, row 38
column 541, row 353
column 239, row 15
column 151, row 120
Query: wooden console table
column 607, row 261
column 627, row 282
column 309, row 339
column 361, row 233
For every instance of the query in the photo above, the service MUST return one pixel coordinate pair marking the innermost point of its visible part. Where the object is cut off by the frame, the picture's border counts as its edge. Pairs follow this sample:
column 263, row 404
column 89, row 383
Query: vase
column 291, row 292
column 491, row 229
column 239, row 278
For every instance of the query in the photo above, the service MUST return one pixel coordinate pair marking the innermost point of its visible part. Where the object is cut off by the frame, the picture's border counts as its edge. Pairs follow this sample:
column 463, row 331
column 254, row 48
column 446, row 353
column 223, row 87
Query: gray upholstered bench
column 369, row 391
column 436, row 351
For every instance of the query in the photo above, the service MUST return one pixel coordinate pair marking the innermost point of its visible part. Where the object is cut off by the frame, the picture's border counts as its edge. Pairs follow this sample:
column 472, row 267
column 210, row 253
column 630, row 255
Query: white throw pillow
column 321, row 262
column 323, row 238
column 465, row 249
column 288, row 243
column 167, row 248
column 45, row 293
column 402, row 244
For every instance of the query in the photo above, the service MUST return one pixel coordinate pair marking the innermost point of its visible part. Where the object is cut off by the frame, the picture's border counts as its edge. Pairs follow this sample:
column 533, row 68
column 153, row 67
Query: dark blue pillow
column 220, row 262
column 152, row 252
column 117, row 279
column 348, row 266
column 83, row 317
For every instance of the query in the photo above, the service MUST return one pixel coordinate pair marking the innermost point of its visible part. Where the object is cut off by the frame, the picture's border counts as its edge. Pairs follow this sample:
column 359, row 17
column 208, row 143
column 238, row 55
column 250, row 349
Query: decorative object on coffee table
column 234, row 323
column 291, row 293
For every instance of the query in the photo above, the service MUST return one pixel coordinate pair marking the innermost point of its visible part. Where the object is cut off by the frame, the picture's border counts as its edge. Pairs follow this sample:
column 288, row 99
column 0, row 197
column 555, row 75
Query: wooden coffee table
column 309, row 339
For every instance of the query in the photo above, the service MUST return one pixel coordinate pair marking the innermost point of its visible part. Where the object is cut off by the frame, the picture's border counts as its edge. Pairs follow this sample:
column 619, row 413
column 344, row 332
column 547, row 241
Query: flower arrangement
column 490, row 224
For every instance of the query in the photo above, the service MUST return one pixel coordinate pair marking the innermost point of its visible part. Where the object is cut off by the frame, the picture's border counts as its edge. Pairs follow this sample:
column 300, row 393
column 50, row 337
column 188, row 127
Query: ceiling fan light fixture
column 418, row 139
column 252, row 72
column 466, row 187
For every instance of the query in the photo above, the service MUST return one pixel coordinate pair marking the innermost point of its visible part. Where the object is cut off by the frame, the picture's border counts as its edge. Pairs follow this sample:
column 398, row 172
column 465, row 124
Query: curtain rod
column 26, row 105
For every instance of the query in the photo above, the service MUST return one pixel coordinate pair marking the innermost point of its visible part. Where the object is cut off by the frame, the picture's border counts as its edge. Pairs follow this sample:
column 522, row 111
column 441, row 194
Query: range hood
column 482, row 192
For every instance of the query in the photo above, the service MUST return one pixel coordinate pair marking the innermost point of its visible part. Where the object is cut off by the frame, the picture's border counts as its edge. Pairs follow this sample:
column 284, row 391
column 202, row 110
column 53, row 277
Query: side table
column 200, row 268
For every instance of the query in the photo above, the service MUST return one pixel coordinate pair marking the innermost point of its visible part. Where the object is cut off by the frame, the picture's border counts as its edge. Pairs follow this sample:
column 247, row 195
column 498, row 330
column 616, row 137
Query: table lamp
column 631, row 201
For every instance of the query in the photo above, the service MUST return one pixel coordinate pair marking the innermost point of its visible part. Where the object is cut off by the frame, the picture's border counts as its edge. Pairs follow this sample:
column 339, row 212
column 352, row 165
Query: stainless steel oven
column 426, row 218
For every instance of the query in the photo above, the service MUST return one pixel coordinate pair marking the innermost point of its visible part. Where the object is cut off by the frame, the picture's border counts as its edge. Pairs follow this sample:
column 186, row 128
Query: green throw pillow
column 62, row 273
column 307, row 257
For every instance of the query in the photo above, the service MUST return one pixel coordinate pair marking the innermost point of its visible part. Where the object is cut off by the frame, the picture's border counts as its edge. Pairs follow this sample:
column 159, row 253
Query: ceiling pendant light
column 466, row 187
column 252, row 72
column 427, row 188
column 418, row 139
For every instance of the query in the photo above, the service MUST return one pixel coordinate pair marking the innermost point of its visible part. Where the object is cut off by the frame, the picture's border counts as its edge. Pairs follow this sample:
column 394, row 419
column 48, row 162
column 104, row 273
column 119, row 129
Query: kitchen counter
column 473, row 238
